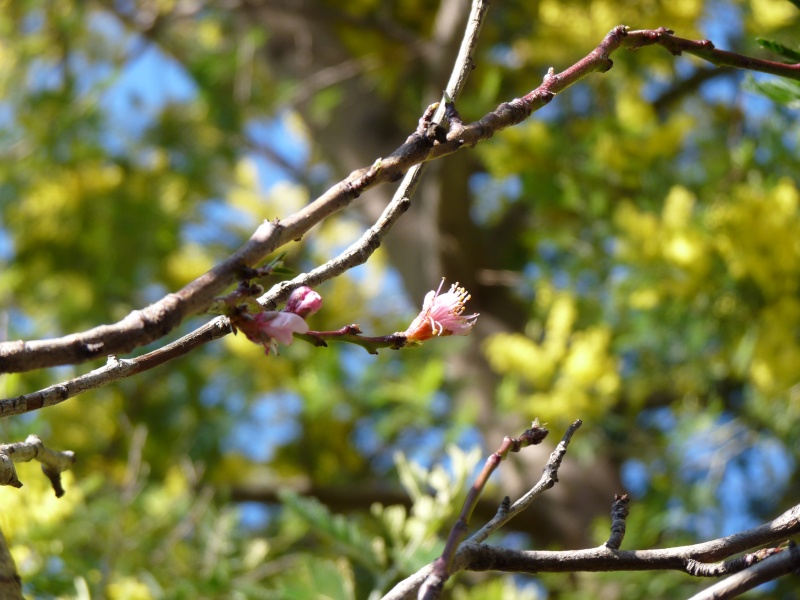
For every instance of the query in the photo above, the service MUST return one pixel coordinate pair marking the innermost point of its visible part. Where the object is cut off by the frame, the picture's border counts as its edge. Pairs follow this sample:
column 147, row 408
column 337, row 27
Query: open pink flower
column 270, row 327
column 442, row 315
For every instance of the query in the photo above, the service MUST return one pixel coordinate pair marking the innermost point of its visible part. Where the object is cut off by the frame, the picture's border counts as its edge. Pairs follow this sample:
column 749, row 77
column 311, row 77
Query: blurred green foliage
column 649, row 218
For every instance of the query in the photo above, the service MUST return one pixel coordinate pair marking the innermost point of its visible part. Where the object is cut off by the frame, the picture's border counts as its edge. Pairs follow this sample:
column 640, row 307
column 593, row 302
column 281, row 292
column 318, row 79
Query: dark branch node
column 246, row 273
column 620, row 31
column 537, row 433
column 606, row 65
column 436, row 133
column 619, row 513
column 352, row 191
column 55, row 480
column 354, row 184
column 612, row 41
column 699, row 569
column 426, row 119
column 90, row 350
column 453, row 117
column 247, row 289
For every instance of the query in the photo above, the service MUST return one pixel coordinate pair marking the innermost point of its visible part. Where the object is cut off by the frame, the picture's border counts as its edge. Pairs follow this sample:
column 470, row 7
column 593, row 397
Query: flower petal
column 283, row 326
column 442, row 315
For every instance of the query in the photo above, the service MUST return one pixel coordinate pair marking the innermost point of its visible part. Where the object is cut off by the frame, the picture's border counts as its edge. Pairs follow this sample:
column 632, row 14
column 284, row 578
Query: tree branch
column 431, row 579
column 696, row 560
column 705, row 49
column 776, row 564
column 434, row 583
column 114, row 370
column 53, row 463
column 699, row 560
column 358, row 253
column 548, row 479
column 158, row 319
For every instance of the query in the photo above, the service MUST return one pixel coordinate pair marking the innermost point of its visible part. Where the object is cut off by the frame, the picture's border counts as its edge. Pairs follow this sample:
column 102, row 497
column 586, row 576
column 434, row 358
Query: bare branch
column 442, row 566
column 359, row 252
column 141, row 327
column 430, row 579
column 776, row 564
column 705, row 49
column 53, row 463
column 114, row 370
column 683, row 558
column 698, row 559
column 548, row 480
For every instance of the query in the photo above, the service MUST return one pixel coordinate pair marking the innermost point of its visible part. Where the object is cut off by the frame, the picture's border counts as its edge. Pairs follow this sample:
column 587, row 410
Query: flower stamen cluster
column 442, row 315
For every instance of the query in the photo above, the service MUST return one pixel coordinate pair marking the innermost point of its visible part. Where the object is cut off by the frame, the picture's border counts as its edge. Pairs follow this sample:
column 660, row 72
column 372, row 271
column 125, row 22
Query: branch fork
column 53, row 463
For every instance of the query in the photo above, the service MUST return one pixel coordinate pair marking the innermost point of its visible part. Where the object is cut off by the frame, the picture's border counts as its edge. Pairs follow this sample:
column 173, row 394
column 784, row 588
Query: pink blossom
column 442, row 315
column 303, row 301
column 269, row 327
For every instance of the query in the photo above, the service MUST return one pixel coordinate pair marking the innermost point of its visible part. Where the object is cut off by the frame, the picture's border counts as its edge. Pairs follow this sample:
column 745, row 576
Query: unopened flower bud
column 303, row 301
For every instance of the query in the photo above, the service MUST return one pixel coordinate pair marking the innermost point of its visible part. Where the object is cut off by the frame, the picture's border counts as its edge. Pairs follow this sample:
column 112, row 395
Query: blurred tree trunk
column 10, row 586
column 437, row 235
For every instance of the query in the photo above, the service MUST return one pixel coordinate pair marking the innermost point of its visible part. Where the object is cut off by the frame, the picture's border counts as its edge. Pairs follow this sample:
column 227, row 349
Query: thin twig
column 351, row 334
column 434, row 582
column 431, row 575
column 360, row 251
column 548, row 479
column 482, row 557
column 705, row 49
column 777, row 564
column 114, row 370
